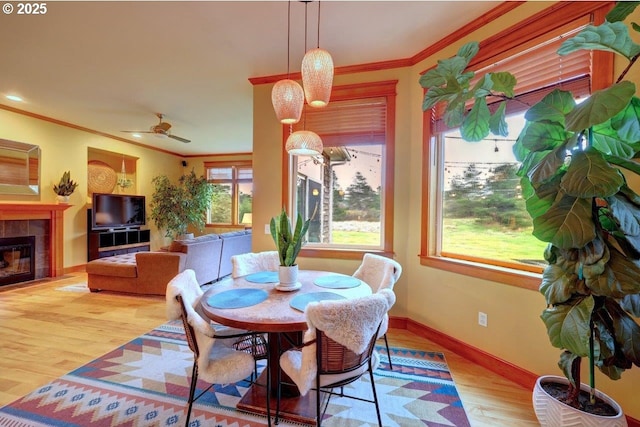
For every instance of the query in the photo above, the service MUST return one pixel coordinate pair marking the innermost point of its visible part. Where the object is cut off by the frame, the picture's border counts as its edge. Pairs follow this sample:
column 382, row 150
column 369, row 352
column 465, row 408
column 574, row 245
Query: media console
column 104, row 243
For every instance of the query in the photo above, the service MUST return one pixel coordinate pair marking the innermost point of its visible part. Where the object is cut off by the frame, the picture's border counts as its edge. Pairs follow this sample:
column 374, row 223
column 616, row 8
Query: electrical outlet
column 482, row 319
column 267, row 229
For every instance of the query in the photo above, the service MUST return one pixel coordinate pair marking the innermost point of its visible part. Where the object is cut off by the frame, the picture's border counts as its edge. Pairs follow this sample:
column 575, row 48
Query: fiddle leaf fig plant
column 288, row 241
column 576, row 164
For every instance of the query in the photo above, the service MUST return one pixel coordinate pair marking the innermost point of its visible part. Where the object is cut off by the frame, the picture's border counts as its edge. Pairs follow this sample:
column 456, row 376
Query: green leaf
column 621, row 277
column 568, row 326
column 627, row 122
column 438, row 94
column 540, row 136
column 567, row 223
column 446, row 71
column 609, row 36
column 553, row 107
column 475, row 126
column 504, row 82
column 626, row 332
column 631, row 304
column 626, row 213
column 590, row 175
column 600, row 106
column 608, row 141
column 454, row 115
column 566, row 362
column 482, row 87
column 549, row 167
column 542, row 199
column 557, row 285
column 469, row 50
column 621, row 10
column 497, row 123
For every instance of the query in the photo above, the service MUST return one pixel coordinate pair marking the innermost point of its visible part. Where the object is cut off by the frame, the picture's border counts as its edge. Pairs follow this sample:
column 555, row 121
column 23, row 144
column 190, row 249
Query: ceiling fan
column 161, row 129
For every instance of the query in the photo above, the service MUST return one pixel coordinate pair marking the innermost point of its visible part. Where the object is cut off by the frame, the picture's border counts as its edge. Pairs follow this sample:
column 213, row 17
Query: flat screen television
column 117, row 211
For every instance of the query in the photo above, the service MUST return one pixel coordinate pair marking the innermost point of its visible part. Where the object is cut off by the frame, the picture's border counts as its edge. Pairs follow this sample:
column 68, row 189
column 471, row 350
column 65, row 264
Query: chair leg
column 192, row 390
column 375, row 396
column 268, row 393
column 279, row 385
column 318, row 412
column 386, row 343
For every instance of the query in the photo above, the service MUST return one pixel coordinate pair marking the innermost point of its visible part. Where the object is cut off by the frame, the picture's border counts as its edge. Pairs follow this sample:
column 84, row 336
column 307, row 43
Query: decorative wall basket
column 101, row 177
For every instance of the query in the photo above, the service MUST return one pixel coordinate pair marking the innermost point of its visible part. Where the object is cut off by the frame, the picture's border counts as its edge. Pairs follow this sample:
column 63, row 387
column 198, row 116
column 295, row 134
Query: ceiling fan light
column 304, row 143
column 287, row 98
column 317, row 77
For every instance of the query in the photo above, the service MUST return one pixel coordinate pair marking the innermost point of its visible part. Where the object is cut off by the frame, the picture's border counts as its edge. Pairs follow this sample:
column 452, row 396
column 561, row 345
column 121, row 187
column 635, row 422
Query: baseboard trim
column 481, row 358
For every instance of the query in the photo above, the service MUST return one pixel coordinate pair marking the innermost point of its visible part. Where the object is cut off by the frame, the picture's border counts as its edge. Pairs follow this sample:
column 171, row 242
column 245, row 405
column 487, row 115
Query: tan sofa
column 148, row 273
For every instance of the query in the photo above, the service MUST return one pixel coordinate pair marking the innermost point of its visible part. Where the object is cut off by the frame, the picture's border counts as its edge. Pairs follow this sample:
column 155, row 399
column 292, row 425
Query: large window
column 233, row 193
column 476, row 222
column 346, row 191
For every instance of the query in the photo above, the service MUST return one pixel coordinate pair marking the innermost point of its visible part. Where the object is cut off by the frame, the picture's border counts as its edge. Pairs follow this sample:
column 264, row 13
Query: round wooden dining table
column 274, row 315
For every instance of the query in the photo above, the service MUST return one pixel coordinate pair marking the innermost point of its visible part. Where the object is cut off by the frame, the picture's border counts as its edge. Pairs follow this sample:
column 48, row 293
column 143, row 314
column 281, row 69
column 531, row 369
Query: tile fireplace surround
column 18, row 218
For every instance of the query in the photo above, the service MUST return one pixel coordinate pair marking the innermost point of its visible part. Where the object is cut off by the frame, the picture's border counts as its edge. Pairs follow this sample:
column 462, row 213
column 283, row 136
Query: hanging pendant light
column 304, row 143
column 317, row 72
column 287, row 96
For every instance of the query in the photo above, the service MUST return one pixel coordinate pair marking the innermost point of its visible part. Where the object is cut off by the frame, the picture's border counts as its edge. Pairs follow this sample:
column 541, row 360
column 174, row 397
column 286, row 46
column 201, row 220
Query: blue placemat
column 299, row 302
column 237, row 298
column 337, row 281
column 263, row 277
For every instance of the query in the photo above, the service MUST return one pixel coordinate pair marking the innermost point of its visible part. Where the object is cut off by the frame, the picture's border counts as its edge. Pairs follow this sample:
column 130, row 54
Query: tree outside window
column 231, row 203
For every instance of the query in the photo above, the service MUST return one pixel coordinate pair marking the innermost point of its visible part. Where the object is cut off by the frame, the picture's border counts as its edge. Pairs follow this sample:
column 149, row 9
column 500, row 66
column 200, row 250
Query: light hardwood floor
column 46, row 332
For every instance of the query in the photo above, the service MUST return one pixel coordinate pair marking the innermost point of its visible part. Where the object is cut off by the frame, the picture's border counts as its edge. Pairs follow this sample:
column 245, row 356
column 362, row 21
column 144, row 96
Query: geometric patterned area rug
column 146, row 383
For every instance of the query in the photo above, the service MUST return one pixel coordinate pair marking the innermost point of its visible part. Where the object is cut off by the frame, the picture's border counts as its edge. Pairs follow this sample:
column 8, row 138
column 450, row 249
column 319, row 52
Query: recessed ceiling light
column 136, row 135
column 14, row 98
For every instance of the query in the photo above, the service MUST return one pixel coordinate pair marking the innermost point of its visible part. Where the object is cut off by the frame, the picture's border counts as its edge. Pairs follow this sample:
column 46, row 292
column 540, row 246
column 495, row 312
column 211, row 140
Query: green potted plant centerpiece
column 288, row 244
column 65, row 187
column 175, row 206
column 578, row 166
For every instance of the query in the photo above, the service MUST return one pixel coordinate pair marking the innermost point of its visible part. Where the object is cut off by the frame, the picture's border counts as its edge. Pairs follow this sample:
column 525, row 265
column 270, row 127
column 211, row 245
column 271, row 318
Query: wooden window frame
column 497, row 46
column 385, row 89
column 234, row 181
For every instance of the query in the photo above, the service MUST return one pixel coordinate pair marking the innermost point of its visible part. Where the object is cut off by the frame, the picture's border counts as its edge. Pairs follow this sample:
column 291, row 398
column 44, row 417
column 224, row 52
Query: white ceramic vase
column 288, row 278
column 553, row 413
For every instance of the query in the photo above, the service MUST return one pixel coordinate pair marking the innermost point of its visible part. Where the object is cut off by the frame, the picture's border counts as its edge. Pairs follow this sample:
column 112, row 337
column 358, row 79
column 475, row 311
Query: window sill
column 520, row 279
column 356, row 254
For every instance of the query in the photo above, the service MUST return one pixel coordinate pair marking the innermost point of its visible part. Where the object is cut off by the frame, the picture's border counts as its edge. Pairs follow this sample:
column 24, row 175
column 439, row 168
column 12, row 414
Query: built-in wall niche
column 111, row 172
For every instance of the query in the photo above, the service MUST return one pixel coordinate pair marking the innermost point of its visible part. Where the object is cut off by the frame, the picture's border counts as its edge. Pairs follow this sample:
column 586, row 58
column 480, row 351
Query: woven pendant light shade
column 304, row 143
column 317, row 77
column 287, row 98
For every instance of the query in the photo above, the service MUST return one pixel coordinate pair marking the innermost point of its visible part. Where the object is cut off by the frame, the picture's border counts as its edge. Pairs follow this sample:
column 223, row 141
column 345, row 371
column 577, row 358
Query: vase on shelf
column 62, row 199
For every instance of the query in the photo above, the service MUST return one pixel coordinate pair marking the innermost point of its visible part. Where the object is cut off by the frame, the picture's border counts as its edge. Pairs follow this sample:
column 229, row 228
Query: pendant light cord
column 318, row 24
column 288, row 37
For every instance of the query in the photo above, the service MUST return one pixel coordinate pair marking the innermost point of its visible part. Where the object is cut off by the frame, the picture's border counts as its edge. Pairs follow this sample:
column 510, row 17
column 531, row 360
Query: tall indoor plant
column 288, row 242
column 575, row 163
column 175, row 206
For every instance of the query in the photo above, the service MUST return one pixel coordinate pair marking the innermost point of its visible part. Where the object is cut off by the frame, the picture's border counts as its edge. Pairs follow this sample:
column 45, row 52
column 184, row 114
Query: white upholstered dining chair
column 379, row 273
column 254, row 262
column 338, row 348
column 215, row 360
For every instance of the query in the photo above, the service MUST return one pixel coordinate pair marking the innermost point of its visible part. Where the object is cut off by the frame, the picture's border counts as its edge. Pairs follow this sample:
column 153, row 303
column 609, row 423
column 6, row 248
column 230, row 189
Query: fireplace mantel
column 51, row 211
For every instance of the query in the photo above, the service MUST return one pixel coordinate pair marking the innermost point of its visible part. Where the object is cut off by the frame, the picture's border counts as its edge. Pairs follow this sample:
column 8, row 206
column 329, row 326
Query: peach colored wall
column 63, row 148
column 446, row 301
